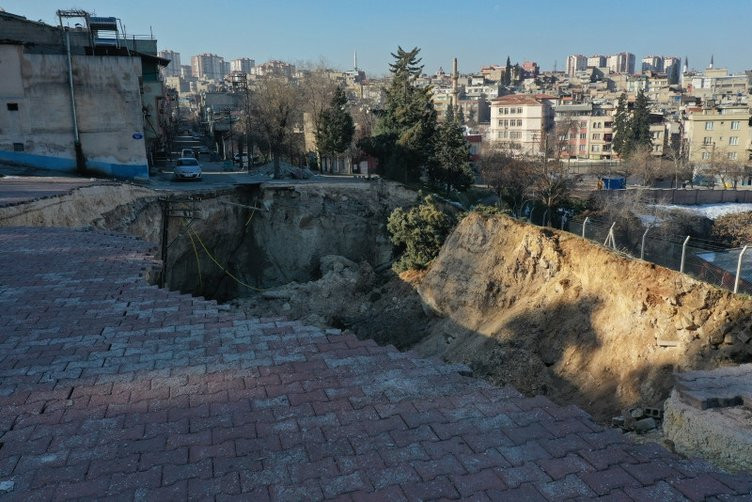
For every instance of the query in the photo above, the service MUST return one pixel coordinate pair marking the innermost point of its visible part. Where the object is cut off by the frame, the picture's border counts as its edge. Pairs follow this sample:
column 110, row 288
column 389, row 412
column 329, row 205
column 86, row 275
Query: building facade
column 575, row 63
column 521, row 122
column 172, row 69
column 715, row 134
column 242, row 64
column 208, row 66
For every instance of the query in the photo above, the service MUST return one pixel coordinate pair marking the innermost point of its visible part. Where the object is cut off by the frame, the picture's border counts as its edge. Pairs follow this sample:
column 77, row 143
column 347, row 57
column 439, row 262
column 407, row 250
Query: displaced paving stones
column 113, row 388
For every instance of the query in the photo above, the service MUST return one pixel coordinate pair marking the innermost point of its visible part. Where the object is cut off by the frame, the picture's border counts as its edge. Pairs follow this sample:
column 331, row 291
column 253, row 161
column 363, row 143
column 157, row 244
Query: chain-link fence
column 706, row 260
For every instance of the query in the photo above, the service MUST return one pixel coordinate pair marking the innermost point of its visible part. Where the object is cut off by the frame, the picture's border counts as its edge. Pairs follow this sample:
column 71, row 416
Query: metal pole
column 587, row 219
column 684, row 254
column 739, row 269
column 530, row 216
column 70, row 82
column 545, row 216
column 642, row 248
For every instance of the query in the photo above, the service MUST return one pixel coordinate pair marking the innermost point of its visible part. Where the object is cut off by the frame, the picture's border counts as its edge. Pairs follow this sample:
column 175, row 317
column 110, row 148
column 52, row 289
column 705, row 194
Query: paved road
column 110, row 387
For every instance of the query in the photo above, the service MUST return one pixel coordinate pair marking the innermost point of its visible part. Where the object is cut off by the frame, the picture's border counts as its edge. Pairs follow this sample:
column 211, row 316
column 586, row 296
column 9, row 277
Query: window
column 18, row 147
column 582, row 148
column 519, row 110
column 734, row 125
column 733, row 140
column 506, row 111
column 731, row 155
column 501, row 122
column 708, row 126
column 519, row 122
column 707, row 140
column 501, row 111
column 596, row 125
column 595, row 148
column 596, row 135
column 12, row 107
column 705, row 155
column 583, row 124
column 506, row 122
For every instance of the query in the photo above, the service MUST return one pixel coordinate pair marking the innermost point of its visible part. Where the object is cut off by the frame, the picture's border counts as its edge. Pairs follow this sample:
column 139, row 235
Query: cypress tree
column 621, row 126
column 336, row 127
column 508, row 73
column 451, row 166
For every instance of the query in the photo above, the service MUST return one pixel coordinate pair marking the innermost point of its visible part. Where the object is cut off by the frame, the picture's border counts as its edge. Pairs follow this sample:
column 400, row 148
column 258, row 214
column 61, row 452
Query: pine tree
column 336, row 126
column 621, row 127
column 640, row 122
column 508, row 73
column 405, row 133
column 451, row 166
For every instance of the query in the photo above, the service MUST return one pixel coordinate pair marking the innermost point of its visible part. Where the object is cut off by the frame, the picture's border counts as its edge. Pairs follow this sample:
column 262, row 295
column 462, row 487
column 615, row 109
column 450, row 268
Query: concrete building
column 652, row 63
column 585, row 131
column 110, row 123
column 623, row 62
column 208, row 66
column 596, row 61
column 575, row 63
column 172, row 69
column 521, row 122
column 242, row 64
column 715, row 134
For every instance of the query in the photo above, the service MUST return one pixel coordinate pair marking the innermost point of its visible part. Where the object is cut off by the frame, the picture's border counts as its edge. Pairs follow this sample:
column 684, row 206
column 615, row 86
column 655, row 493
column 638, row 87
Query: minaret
column 686, row 64
column 455, row 88
column 355, row 59
column 711, row 63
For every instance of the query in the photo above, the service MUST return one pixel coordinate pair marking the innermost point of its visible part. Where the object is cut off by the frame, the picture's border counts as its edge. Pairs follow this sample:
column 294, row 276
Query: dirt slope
column 551, row 313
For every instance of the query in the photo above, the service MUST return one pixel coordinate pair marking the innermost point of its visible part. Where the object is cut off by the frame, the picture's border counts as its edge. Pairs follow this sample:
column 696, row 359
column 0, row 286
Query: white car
column 187, row 168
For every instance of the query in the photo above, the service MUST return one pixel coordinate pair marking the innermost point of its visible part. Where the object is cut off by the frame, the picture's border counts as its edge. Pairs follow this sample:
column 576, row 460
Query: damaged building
column 86, row 98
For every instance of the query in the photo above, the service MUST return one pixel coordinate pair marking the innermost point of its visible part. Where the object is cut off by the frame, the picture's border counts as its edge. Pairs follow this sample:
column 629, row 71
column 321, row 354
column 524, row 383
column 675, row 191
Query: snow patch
column 711, row 211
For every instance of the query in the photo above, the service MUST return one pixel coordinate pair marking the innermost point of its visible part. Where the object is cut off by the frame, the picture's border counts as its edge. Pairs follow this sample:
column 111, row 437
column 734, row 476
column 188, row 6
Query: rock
column 7, row 486
column 636, row 413
column 617, row 421
column 286, row 306
column 744, row 336
column 645, row 425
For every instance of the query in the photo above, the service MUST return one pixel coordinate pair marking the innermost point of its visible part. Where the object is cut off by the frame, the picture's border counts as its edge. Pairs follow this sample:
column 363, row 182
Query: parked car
column 187, row 153
column 187, row 168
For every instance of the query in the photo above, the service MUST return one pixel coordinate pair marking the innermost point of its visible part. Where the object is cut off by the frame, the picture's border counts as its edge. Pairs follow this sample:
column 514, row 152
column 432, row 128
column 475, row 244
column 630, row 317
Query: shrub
column 734, row 229
column 418, row 234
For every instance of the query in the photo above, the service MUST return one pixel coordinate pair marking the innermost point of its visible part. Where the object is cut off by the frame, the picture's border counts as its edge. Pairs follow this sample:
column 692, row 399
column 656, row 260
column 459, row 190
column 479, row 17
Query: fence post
column 530, row 216
column 739, row 268
column 585, row 222
column 642, row 248
column 684, row 254
column 545, row 215
column 610, row 237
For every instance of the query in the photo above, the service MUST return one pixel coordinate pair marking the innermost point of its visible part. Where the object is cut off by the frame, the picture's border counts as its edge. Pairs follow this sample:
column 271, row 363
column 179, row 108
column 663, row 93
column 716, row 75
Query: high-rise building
column 575, row 63
column 208, row 66
column 623, row 62
column 596, row 61
column 172, row 69
column 242, row 64
column 653, row 63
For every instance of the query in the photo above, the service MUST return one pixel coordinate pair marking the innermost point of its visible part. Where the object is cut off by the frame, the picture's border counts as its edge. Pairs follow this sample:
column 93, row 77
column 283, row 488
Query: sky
column 477, row 32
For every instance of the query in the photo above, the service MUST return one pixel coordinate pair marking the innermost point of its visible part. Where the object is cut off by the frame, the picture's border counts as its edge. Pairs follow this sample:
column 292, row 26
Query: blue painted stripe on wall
column 131, row 171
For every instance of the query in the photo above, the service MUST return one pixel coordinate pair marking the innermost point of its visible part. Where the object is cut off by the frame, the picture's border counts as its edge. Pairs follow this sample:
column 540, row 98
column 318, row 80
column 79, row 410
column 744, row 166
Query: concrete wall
column 108, row 104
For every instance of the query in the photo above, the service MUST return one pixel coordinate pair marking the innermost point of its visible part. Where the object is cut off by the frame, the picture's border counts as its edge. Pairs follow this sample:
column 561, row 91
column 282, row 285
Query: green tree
column 632, row 130
column 418, row 234
column 621, row 126
column 336, row 127
column 508, row 73
column 451, row 166
column 404, row 136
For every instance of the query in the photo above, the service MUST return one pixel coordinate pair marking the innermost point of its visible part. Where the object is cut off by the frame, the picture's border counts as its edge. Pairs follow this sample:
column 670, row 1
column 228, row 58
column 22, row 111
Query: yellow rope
column 198, row 262
column 219, row 265
column 251, row 216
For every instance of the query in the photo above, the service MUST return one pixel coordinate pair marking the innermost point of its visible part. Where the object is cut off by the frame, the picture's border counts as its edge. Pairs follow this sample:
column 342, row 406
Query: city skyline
column 484, row 32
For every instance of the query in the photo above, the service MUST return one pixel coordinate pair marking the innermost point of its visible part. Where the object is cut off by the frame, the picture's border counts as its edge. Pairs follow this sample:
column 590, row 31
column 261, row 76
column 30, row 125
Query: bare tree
column 317, row 89
column 642, row 164
column 276, row 110
column 678, row 164
column 508, row 175
column 551, row 184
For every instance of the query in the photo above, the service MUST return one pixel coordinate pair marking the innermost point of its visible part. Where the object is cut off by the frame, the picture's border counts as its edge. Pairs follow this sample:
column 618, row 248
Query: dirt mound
column 552, row 313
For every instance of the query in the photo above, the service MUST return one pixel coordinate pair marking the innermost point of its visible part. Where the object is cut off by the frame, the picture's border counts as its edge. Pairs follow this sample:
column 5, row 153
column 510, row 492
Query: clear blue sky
column 478, row 32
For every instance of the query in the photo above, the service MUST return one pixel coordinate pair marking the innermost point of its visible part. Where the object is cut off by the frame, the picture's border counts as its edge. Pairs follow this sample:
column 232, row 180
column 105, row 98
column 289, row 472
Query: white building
column 242, row 64
column 623, row 62
column 575, row 63
column 521, row 122
column 596, row 61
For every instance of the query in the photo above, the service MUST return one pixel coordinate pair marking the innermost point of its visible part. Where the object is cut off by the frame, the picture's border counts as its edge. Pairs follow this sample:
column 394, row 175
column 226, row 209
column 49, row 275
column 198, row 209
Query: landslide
column 551, row 313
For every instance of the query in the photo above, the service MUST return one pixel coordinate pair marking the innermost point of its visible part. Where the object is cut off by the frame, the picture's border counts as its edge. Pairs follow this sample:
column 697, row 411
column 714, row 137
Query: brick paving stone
column 112, row 387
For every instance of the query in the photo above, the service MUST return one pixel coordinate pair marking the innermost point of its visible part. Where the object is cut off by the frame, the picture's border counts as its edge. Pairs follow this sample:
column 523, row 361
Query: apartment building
column 585, row 130
column 715, row 133
column 521, row 122
column 208, row 66
column 653, row 63
column 172, row 69
column 242, row 64
column 575, row 63
column 623, row 62
column 596, row 61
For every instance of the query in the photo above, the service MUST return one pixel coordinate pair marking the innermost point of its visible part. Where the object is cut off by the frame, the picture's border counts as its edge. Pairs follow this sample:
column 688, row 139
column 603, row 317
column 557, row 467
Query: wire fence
column 707, row 260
